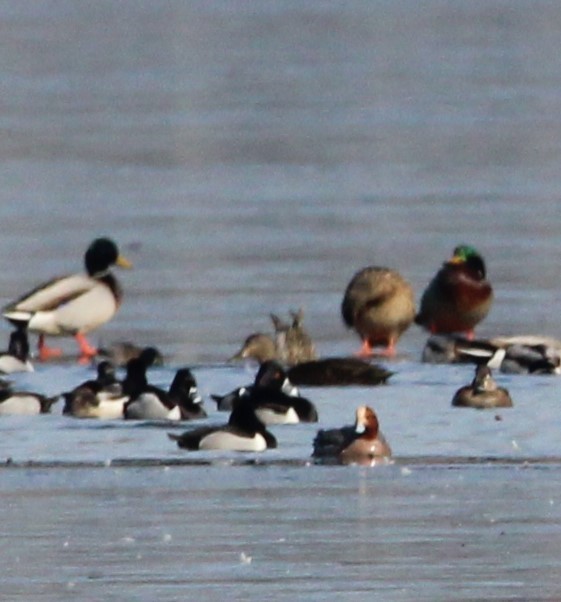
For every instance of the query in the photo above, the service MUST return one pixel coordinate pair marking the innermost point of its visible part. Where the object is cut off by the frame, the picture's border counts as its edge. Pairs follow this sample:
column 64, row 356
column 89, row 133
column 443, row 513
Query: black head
column 184, row 382
column 150, row 356
column 467, row 256
column 135, row 380
column 102, row 254
column 106, row 372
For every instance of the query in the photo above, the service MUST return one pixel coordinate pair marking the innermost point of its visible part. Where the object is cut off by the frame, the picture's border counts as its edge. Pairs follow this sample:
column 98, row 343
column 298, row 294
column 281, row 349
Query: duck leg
column 367, row 349
column 86, row 350
column 47, row 353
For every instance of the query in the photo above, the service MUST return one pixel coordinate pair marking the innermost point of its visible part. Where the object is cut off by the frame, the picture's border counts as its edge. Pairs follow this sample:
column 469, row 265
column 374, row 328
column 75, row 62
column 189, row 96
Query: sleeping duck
column 482, row 393
column 458, row 297
column 73, row 305
column 16, row 358
column 527, row 354
column 245, row 432
column 358, row 444
column 379, row 304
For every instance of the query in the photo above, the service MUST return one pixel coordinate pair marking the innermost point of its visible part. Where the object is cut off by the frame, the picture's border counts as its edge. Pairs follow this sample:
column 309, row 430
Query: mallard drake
column 526, row 354
column 379, row 304
column 16, row 358
column 482, row 393
column 24, row 403
column 358, row 444
column 244, row 432
column 459, row 296
column 73, row 305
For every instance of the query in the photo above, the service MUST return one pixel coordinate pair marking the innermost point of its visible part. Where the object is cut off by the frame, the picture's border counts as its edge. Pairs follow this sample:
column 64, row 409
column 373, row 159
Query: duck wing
column 48, row 296
column 330, row 442
column 191, row 439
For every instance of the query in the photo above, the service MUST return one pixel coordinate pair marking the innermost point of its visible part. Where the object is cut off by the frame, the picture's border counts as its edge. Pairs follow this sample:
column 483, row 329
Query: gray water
column 249, row 158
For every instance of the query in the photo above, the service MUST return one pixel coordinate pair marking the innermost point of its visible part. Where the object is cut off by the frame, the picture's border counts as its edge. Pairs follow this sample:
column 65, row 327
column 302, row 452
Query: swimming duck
column 16, row 359
column 147, row 402
column 244, row 432
column 482, row 393
column 83, row 402
column 275, row 399
column 101, row 397
column 120, row 353
column 184, row 393
column 361, row 443
column 225, row 403
column 272, row 404
column 379, row 304
column 527, row 354
column 73, row 305
column 24, row 403
column 458, row 297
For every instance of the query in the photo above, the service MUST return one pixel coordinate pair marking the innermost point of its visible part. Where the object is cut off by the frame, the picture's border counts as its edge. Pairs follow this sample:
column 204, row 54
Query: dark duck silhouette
column 458, row 297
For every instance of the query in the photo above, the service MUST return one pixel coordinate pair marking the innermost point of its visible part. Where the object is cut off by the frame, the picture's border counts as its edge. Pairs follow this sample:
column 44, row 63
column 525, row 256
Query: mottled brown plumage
column 379, row 304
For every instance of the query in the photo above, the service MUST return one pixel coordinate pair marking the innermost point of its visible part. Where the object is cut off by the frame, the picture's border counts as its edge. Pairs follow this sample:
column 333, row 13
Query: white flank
column 149, row 407
column 228, row 441
column 269, row 416
column 20, row 405
column 110, row 409
column 10, row 364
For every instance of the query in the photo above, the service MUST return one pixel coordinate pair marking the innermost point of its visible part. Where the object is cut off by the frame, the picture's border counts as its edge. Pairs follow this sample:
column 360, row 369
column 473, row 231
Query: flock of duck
column 378, row 304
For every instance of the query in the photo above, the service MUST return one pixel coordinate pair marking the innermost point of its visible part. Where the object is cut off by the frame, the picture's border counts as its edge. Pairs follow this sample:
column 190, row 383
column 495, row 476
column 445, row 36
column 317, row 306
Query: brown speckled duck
column 458, row 297
column 482, row 393
column 379, row 304
column 361, row 443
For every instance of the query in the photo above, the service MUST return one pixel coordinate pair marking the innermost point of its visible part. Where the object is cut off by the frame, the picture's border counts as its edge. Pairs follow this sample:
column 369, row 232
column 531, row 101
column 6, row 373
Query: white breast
column 149, row 407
